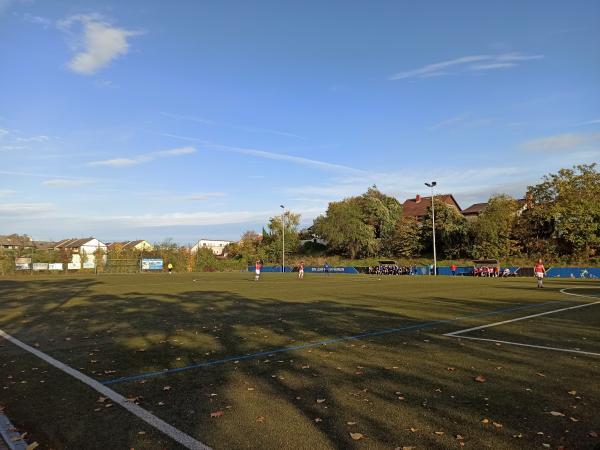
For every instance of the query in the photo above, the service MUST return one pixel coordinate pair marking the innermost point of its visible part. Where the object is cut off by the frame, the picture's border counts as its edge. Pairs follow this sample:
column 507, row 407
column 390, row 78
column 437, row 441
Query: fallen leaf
column 485, row 421
column 141, row 433
column 260, row 419
column 518, row 436
column 593, row 434
column 166, row 388
column 412, row 429
column 450, row 369
column 439, row 433
column 497, row 424
column 572, row 392
column 459, row 437
column 556, row 414
column 320, row 400
column 216, row 414
column 250, row 389
column 318, row 419
column 102, row 399
column 540, row 374
column 573, row 419
column 32, row 446
column 479, row 379
column 351, row 423
column 357, row 436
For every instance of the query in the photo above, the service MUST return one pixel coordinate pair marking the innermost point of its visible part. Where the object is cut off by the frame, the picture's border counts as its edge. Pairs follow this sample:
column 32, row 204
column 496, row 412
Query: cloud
column 283, row 157
column 65, row 183
column 464, row 64
column 3, row 132
column 559, row 142
column 268, row 155
column 206, row 196
column 6, row 192
column 24, row 209
column 236, row 127
column 41, row 138
column 141, row 159
column 589, row 122
column 98, row 44
column 448, row 122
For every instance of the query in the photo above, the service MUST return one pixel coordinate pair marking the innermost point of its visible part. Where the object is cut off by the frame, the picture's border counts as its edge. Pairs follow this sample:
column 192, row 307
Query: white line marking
column 177, row 435
column 495, row 324
column 544, row 347
column 458, row 334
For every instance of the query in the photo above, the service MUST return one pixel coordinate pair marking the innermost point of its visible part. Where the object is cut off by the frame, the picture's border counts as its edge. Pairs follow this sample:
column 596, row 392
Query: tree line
column 558, row 220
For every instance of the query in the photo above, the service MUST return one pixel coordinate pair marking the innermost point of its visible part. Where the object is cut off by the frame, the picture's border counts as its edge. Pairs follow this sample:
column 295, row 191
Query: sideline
column 159, row 424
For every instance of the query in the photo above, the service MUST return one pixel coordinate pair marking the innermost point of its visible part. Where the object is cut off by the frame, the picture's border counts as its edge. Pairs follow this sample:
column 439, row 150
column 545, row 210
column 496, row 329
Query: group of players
column 538, row 270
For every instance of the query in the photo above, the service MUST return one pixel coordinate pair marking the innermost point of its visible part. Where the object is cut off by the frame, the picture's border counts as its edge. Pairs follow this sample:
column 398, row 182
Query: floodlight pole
column 282, row 238
column 432, row 185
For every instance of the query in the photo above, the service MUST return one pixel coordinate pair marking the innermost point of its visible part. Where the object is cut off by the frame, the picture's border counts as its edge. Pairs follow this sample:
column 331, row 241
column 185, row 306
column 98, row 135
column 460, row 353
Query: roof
column 15, row 240
column 126, row 244
column 475, row 209
column 44, row 245
column 414, row 208
column 73, row 242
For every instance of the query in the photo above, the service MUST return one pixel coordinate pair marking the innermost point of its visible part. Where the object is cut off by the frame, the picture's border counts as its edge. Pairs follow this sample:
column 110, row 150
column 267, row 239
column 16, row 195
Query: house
column 82, row 250
column 473, row 211
column 44, row 245
column 138, row 245
column 417, row 207
column 217, row 246
column 15, row 241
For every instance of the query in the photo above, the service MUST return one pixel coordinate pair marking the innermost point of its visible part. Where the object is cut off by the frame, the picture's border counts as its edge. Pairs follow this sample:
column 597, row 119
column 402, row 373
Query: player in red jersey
column 301, row 270
column 539, row 272
column 257, row 267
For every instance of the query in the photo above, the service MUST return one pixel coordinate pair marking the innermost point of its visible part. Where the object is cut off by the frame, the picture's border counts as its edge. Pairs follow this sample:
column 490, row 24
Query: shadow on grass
column 108, row 335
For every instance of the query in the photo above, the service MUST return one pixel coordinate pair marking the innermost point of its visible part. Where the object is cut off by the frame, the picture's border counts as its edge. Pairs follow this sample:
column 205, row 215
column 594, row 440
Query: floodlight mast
column 282, row 238
column 432, row 185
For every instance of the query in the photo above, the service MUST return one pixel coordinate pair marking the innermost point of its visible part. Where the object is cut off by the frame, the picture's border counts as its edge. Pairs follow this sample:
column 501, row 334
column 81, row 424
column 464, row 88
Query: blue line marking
column 419, row 326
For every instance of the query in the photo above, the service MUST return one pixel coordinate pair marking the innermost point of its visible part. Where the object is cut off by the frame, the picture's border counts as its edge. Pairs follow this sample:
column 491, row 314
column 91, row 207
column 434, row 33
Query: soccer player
column 301, row 270
column 257, row 267
column 170, row 268
column 326, row 268
column 453, row 269
column 539, row 272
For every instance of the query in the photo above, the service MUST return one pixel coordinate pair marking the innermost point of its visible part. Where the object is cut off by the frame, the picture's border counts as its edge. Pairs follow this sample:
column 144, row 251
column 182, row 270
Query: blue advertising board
column 152, row 264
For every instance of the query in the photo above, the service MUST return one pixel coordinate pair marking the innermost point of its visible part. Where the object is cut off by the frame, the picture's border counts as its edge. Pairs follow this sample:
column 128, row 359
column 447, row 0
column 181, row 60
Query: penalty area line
column 159, row 424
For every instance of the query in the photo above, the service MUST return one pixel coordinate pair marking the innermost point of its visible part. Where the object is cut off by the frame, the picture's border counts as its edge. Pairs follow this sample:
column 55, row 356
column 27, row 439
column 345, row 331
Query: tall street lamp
column 432, row 185
column 282, row 238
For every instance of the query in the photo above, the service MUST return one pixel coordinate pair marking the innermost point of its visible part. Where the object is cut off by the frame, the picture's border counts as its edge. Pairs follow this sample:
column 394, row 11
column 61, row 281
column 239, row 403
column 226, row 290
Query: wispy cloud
column 65, row 183
column 283, row 157
column 561, row 142
column 24, row 209
column 247, row 128
column 6, row 192
column 268, row 155
column 97, row 44
column 465, row 64
column 141, row 159
column 205, row 196
column 449, row 122
column 591, row 122
column 41, row 138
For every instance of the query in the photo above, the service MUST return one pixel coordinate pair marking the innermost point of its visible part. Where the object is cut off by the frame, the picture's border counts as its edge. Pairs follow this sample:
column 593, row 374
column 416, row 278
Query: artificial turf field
column 261, row 378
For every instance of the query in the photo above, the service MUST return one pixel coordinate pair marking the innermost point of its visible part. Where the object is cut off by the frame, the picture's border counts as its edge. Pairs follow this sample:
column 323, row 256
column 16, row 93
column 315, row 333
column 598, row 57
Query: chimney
column 418, row 199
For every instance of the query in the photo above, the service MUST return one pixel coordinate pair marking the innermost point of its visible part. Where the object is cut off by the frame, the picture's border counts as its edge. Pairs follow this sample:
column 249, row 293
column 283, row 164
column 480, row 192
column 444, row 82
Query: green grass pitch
column 406, row 385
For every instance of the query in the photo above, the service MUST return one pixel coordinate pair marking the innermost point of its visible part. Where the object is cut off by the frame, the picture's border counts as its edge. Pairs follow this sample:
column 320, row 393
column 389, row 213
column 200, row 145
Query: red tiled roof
column 475, row 209
column 414, row 208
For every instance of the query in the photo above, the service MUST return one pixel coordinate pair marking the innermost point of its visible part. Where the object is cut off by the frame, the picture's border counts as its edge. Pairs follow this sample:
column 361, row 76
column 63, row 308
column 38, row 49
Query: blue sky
column 194, row 119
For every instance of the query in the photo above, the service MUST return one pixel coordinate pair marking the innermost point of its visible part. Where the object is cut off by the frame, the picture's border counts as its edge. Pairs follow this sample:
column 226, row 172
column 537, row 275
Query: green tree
column 344, row 228
column 451, row 232
column 563, row 214
column 492, row 231
column 272, row 240
column 406, row 239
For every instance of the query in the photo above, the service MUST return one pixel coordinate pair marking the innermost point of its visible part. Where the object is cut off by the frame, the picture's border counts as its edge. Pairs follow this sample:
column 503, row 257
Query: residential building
column 15, row 241
column 473, row 211
column 417, row 207
column 82, row 250
column 215, row 245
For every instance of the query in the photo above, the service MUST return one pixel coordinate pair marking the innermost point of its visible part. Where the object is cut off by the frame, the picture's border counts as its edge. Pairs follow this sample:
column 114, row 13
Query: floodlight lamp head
column 281, row 206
